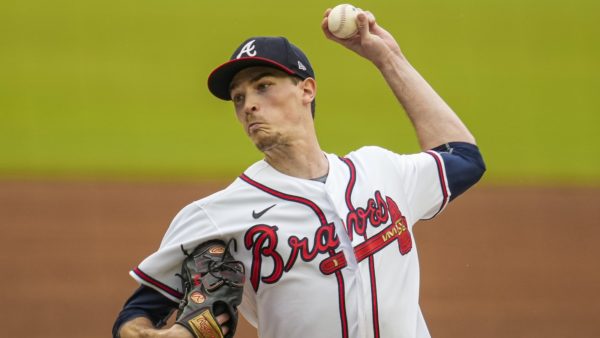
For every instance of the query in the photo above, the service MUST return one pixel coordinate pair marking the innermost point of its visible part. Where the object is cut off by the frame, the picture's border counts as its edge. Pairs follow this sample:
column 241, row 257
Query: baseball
column 342, row 21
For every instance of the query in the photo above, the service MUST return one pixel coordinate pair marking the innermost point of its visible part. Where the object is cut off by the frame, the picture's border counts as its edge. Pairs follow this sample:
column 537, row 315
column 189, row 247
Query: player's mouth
column 254, row 126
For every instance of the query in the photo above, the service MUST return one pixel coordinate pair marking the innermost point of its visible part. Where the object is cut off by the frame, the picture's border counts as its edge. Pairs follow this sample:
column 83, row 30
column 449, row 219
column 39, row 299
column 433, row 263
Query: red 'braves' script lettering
column 375, row 213
column 262, row 239
column 325, row 239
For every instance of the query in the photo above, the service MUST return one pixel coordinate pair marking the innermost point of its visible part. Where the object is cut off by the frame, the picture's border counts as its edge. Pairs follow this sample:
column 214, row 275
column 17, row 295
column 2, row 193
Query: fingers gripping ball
column 213, row 284
column 341, row 21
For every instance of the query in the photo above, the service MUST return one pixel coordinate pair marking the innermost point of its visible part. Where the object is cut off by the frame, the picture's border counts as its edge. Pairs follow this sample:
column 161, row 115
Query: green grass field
column 116, row 89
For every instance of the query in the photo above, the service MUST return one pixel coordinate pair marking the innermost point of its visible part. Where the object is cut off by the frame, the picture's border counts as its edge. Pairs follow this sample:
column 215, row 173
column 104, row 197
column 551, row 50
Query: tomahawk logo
column 248, row 49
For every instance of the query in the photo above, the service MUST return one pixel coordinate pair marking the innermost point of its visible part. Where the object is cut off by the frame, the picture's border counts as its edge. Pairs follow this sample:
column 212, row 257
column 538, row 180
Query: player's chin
column 263, row 146
column 264, row 141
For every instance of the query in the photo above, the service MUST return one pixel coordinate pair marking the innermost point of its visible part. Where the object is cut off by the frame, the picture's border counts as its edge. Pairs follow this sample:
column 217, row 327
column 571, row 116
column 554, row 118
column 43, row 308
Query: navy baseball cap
column 276, row 52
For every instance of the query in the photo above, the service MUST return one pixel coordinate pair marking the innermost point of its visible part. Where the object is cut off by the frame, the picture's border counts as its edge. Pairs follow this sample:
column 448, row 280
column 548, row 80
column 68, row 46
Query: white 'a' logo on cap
column 248, row 49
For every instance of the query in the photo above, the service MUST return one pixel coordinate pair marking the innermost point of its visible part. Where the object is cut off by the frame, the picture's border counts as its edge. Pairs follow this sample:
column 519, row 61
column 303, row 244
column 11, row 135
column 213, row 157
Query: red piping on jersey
column 156, row 283
column 349, row 189
column 442, row 176
column 287, row 197
column 374, row 303
column 374, row 296
column 323, row 220
column 342, row 302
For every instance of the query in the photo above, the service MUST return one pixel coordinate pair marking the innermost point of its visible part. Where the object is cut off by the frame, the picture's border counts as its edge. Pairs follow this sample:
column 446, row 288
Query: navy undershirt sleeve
column 464, row 165
column 145, row 302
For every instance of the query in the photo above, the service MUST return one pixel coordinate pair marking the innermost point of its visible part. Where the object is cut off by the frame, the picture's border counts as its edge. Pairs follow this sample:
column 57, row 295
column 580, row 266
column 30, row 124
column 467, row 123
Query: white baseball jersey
column 334, row 259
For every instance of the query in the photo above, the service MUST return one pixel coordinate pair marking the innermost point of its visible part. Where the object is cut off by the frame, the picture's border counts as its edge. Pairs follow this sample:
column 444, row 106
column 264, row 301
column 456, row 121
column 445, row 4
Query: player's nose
column 251, row 105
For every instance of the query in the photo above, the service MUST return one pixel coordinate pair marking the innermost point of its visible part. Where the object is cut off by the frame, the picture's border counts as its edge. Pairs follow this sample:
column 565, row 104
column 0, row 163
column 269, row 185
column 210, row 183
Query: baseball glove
column 213, row 284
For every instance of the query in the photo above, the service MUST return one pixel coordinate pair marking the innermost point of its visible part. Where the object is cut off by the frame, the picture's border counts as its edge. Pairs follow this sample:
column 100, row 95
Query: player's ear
column 309, row 90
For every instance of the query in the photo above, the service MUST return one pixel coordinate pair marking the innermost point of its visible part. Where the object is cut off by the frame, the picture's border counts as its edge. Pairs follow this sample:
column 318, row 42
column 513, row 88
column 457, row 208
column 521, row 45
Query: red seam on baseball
column 342, row 20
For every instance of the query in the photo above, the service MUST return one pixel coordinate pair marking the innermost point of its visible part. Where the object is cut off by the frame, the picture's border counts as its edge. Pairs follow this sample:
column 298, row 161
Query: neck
column 300, row 159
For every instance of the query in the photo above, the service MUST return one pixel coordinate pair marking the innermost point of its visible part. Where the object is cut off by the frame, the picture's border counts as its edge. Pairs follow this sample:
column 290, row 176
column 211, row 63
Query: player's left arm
column 434, row 121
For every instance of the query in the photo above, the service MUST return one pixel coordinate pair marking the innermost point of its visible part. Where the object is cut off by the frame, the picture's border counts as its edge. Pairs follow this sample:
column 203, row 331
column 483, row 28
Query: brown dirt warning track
column 499, row 262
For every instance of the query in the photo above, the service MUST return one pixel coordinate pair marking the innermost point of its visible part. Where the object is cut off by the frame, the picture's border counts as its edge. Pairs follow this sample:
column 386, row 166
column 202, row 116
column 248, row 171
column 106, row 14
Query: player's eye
column 237, row 98
column 263, row 86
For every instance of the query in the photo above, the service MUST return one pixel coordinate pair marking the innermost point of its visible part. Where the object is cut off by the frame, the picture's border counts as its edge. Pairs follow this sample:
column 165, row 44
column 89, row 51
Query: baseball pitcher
column 305, row 243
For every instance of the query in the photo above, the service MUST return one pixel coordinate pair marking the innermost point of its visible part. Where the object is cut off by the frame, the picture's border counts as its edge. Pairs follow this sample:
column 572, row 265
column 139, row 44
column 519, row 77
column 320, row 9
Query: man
column 327, row 240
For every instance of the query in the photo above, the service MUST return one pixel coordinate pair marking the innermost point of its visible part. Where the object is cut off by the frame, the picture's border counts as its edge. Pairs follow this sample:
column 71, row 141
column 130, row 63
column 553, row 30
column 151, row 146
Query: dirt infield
column 499, row 262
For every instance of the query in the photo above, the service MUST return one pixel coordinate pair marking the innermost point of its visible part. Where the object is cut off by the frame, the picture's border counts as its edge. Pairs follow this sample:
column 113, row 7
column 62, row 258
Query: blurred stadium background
column 104, row 112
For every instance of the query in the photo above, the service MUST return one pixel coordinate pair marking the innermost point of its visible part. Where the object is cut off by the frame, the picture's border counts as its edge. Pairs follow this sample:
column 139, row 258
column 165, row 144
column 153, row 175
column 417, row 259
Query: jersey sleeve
column 423, row 180
column 430, row 179
column 189, row 228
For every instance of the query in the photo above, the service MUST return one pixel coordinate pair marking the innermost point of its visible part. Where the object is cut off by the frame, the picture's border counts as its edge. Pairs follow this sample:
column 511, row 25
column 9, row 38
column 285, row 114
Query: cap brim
column 220, row 78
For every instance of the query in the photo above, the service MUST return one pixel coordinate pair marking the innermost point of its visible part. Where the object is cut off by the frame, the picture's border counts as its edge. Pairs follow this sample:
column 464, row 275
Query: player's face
column 270, row 105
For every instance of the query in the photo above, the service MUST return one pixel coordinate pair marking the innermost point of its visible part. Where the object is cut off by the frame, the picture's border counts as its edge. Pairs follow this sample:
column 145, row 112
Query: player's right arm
column 434, row 121
column 438, row 128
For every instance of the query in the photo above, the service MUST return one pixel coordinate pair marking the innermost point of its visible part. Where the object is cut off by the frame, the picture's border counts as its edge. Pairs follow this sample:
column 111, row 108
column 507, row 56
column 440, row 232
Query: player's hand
column 371, row 42
column 222, row 319
column 176, row 331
